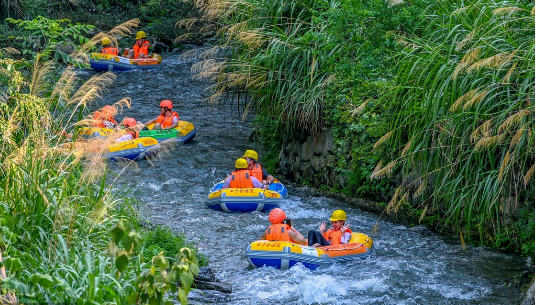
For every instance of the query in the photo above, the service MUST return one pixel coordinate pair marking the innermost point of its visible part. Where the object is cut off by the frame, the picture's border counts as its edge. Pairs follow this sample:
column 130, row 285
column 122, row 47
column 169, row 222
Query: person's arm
column 258, row 184
column 150, row 122
column 296, row 236
column 269, row 179
column 263, row 235
column 346, row 238
column 227, row 183
column 322, row 228
column 124, row 138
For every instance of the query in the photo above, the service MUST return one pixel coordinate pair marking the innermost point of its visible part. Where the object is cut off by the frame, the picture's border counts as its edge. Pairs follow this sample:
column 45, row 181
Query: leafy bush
column 51, row 38
column 163, row 239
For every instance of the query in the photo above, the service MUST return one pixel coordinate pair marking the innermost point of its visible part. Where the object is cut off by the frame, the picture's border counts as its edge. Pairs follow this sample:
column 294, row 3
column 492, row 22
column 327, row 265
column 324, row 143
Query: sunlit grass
column 65, row 237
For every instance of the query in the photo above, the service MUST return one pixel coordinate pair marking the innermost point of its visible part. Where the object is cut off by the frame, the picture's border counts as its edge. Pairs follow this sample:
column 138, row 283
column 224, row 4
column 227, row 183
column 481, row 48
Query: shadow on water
column 411, row 265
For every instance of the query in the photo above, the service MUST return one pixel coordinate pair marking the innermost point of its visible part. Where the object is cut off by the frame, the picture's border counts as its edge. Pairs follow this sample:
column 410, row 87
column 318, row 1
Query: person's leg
column 130, row 53
column 315, row 237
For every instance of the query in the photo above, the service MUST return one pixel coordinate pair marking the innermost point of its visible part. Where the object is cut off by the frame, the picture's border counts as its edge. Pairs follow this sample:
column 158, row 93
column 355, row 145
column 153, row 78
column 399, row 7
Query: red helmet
column 129, row 122
column 166, row 103
column 277, row 216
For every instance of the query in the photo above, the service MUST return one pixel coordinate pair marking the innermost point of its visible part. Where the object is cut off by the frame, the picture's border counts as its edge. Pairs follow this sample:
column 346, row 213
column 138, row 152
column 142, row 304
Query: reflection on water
column 411, row 265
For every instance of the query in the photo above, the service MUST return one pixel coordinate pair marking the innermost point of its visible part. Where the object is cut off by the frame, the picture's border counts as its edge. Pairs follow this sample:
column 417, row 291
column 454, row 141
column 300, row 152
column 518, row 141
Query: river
column 410, row 265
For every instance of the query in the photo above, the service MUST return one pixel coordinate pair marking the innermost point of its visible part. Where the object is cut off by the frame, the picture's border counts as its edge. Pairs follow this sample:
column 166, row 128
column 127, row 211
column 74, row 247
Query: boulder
column 307, row 149
column 218, row 286
column 206, row 274
column 196, row 297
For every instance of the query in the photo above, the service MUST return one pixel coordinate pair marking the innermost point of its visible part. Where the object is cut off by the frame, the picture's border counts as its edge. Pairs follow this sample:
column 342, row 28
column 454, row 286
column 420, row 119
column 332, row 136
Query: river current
column 410, row 265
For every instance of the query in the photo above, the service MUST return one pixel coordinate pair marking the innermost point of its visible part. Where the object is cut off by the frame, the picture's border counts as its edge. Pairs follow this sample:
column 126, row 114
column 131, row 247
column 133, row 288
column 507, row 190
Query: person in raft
column 242, row 178
column 131, row 132
column 167, row 119
column 339, row 233
column 141, row 47
column 104, row 117
column 281, row 228
column 256, row 169
column 107, row 47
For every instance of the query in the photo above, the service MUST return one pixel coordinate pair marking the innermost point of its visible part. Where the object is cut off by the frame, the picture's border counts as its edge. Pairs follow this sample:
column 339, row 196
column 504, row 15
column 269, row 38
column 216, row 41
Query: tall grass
column 65, row 238
column 274, row 51
column 464, row 117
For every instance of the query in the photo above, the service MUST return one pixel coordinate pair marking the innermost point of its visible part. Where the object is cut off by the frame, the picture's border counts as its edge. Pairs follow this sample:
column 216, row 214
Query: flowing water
column 410, row 265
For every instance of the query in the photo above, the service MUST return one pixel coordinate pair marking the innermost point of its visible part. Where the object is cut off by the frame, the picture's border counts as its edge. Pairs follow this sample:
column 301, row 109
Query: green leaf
column 132, row 298
column 63, row 286
column 18, row 287
column 118, row 231
column 44, row 280
column 12, row 264
column 187, row 279
column 153, row 301
column 187, row 253
column 121, row 262
column 194, row 268
column 183, row 297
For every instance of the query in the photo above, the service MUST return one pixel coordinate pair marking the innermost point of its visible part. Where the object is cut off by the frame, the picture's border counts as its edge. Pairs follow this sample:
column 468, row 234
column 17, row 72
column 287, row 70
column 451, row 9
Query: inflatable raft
column 108, row 62
column 246, row 199
column 284, row 255
column 137, row 149
column 184, row 132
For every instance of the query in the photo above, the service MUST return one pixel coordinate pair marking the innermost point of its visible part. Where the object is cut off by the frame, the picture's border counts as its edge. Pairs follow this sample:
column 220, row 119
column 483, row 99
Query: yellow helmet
column 106, row 41
column 241, row 163
column 251, row 154
column 338, row 215
column 140, row 34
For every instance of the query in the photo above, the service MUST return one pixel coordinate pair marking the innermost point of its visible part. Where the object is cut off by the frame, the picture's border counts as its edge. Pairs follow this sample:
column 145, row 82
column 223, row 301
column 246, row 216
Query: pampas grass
column 477, row 105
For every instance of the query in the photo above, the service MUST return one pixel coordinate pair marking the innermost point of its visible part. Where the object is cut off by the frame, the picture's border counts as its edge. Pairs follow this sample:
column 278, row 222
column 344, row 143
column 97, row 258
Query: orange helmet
column 277, row 216
column 97, row 115
column 108, row 111
column 166, row 103
column 129, row 122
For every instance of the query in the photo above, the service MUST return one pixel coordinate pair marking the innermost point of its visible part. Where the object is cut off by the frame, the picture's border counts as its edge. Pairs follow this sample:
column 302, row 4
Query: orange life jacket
column 110, row 50
column 135, row 133
column 241, row 179
column 334, row 236
column 278, row 232
column 112, row 120
column 256, row 171
column 166, row 121
column 139, row 48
